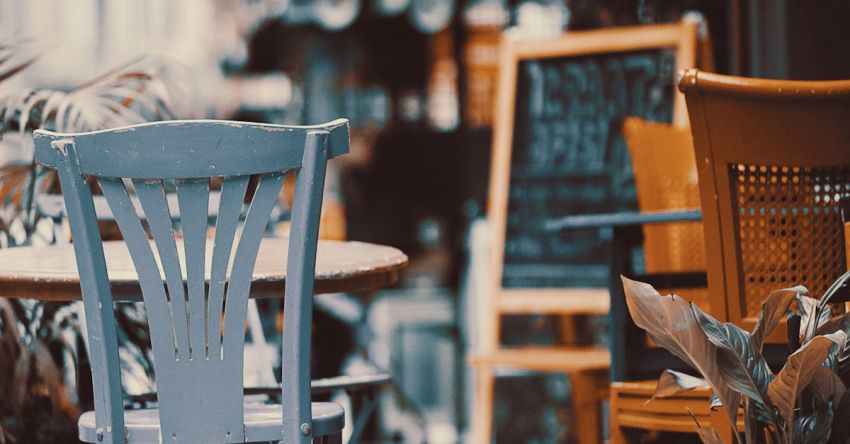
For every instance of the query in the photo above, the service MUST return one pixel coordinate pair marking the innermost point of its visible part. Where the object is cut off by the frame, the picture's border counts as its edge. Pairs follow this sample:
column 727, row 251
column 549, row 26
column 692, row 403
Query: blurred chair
column 773, row 159
column 200, row 393
column 666, row 179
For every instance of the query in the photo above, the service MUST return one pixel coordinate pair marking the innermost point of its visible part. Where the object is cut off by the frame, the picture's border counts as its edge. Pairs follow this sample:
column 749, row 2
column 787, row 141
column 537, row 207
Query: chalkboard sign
column 558, row 149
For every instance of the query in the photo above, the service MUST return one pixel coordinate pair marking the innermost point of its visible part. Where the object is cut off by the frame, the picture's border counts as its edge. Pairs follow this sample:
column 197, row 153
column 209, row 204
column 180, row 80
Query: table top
column 623, row 218
column 50, row 273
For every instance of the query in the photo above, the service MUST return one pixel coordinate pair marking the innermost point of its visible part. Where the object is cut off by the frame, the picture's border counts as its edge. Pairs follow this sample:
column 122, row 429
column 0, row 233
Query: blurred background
column 416, row 78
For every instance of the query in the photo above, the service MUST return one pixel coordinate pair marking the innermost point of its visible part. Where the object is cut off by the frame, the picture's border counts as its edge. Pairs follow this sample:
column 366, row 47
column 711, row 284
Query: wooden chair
column 773, row 159
column 197, row 335
column 666, row 179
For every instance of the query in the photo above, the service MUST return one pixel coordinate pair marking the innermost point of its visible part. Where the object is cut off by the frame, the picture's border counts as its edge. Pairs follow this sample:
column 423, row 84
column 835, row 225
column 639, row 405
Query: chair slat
column 193, row 200
column 230, row 206
column 239, row 284
column 152, row 197
column 150, row 280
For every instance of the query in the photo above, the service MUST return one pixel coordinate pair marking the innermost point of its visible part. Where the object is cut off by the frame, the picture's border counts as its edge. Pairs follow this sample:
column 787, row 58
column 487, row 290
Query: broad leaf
column 826, row 386
column 839, row 361
column 811, row 319
column 671, row 323
column 744, row 370
column 798, row 372
column 773, row 310
column 671, row 383
column 715, row 402
column 814, row 428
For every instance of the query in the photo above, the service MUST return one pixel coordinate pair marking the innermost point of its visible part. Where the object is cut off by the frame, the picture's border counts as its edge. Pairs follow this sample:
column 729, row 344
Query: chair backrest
column 197, row 331
column 259, row 364
column 773, row 159
column 666, row 179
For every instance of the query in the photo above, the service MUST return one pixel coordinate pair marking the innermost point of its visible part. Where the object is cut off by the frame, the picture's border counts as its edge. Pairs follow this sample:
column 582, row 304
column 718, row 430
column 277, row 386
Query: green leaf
column 814, row 428
column 799, row 371
column 671, row 323
column 811, row 319
column 773, row 310
column 671, row 383
column 839, row 359
column 744, row 370
column 826, row 386
column 715, row 402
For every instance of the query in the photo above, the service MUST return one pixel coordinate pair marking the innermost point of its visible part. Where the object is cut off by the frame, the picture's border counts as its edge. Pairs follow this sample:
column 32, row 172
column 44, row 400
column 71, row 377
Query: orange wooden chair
column 773, row 159
column 773, row 165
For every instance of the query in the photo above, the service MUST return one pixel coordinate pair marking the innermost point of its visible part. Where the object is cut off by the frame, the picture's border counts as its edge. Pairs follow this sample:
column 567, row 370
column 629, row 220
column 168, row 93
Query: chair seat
column 631, row 407
column 262, row 423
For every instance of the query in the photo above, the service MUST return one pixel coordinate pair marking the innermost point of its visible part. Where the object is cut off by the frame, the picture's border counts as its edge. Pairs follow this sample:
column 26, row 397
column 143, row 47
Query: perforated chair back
column 197, row 331
column 773, row 159
column 666, row 179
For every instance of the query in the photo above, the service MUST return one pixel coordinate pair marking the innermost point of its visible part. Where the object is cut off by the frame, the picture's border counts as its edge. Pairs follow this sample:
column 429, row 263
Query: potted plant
column 805, row 402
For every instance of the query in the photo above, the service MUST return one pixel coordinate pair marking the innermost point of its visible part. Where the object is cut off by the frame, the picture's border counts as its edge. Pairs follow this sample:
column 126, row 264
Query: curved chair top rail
column 693, row 79
column 160, row 150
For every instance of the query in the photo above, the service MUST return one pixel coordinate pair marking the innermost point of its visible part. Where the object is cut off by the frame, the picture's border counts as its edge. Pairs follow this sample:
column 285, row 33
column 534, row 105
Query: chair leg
column 616, row 432
column 366, row 404
column 482, row 417
column 586, row 407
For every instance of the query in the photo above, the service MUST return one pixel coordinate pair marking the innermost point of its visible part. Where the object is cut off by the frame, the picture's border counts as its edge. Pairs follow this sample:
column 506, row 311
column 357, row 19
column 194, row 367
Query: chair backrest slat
column 156, row 304
column 198, row 328
column 152, row 197
column 233, row 191
column 193, row 201
column 235, row 307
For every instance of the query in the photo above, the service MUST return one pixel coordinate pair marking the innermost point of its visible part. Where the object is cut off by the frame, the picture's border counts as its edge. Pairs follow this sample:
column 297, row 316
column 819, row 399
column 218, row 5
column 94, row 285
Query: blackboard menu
column 569, row 157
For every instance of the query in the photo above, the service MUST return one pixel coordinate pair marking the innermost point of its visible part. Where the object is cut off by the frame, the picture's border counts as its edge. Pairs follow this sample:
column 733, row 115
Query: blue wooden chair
column 197, row 331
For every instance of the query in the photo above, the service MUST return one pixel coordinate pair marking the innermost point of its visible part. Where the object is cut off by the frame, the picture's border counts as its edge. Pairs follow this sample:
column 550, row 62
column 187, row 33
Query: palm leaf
column 16, row 56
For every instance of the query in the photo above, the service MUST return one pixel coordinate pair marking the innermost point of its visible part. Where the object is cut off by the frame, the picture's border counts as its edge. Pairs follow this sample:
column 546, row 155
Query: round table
column 50, row 273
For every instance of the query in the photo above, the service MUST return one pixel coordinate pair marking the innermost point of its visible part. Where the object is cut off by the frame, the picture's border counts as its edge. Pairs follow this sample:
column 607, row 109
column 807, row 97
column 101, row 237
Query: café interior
column 425, row 221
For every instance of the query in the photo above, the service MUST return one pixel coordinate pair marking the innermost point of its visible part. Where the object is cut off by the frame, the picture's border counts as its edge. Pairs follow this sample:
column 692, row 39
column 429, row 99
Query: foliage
column 805, row 402
column 40, row 340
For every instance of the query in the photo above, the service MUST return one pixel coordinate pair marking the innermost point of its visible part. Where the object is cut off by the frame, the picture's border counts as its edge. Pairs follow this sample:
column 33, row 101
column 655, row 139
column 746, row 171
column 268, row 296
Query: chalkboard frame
column 682, row 37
